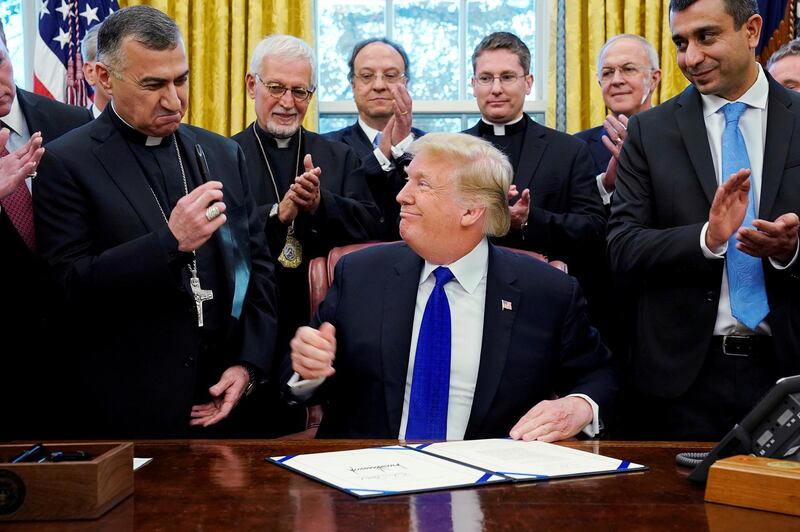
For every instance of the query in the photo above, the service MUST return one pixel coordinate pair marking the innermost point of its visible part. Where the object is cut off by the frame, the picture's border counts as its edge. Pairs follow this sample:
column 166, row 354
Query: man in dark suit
column 164, row 264
column 555, row 207
column 30, row 306
column 709, row 342
column 445, row 335
column 379, row 74
column 628, row 74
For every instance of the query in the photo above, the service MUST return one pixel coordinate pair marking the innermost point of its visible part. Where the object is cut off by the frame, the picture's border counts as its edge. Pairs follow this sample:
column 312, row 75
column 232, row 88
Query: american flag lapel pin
column 505, row 305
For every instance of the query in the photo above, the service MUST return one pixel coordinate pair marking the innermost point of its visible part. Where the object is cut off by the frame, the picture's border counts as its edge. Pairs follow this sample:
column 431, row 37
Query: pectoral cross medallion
column 292, row 254
column 199, row 294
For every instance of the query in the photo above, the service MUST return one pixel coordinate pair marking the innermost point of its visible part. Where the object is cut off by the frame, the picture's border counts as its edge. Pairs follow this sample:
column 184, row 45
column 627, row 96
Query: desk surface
column 224, row 484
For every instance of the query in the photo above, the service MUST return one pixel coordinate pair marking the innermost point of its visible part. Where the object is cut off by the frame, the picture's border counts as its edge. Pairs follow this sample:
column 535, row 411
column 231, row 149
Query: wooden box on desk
column 753, row 482
column 65, row 490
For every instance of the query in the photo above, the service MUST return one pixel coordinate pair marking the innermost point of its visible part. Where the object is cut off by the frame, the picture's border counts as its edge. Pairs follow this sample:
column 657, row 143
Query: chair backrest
column 320, row 269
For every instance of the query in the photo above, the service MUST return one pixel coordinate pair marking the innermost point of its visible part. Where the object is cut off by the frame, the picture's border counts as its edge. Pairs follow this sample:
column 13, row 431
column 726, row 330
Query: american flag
column 57, row 70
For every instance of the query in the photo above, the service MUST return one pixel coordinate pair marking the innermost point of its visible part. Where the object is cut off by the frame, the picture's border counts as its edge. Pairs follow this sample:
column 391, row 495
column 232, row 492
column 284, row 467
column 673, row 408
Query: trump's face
column 280, row 115
column 429, row 214
column 149, row 88
column 7, row 89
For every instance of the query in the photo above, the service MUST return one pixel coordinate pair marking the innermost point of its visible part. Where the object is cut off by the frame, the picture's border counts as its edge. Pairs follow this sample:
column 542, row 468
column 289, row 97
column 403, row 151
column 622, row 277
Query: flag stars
column 63, row 38
column 64, row 9
column 43, row 10
column 90, row 14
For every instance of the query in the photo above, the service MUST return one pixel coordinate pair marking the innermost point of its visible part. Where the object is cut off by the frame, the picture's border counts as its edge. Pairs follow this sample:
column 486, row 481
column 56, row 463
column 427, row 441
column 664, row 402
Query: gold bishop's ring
column 212, row 212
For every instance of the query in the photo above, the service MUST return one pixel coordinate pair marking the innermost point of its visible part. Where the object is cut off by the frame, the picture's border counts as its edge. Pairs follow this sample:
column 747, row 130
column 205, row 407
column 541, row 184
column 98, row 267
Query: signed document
column 382, row 471
column 534, row 460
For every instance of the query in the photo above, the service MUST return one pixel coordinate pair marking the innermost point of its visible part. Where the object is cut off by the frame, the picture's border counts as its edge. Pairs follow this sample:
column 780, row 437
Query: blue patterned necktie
column 377, row 140
column 430, row 384
column 745, row 273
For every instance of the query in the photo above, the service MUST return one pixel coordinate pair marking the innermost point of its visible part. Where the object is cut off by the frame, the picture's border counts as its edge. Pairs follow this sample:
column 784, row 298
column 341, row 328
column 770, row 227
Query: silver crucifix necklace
column 199, row 294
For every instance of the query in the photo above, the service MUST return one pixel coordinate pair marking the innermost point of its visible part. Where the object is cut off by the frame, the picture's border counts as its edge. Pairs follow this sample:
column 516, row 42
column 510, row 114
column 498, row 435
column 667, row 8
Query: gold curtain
column 589, row 24
column 220, row 35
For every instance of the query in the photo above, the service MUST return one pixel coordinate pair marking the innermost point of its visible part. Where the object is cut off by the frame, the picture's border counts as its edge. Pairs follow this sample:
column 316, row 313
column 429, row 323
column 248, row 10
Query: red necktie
column 19, row 208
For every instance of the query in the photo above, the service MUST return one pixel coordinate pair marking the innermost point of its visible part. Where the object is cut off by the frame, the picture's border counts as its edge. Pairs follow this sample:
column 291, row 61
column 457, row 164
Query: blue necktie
column 745, row 273
column 430, row 384
column 377, row 140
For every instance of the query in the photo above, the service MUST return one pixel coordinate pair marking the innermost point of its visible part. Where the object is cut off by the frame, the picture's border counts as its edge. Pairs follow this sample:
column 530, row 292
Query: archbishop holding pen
column 163, row 262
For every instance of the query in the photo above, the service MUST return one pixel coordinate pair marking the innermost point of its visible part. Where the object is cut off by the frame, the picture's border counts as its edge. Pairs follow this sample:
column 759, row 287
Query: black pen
column 202, row 163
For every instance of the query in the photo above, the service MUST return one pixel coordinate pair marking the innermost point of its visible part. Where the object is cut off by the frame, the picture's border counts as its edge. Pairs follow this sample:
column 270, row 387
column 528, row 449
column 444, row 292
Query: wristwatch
column 251, row 384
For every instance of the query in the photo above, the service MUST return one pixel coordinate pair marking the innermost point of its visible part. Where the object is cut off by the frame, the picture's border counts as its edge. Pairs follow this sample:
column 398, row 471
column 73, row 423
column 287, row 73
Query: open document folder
column 381, row 471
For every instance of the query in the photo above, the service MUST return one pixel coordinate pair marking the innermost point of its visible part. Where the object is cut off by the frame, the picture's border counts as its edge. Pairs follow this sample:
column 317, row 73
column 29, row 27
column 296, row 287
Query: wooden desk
column 225, row 485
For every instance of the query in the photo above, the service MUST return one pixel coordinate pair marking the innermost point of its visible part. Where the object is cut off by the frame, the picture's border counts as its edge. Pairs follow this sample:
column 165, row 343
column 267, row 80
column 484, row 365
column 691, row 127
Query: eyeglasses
column 390, row 78
column 508, row 78
column 628, row 71
column 277, row 90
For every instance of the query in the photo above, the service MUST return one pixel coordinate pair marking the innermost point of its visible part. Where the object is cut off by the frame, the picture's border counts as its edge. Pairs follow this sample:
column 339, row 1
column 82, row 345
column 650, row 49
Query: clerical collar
column 274, row 141
column 499, row 130
column 133, row 135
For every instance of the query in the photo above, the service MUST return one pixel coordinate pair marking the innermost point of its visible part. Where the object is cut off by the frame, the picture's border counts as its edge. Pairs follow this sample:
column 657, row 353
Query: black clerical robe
column 100, row 205
column 566, row 220
column 346, row 213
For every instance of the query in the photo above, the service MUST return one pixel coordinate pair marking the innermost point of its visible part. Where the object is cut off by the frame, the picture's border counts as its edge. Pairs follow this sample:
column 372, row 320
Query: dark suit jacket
column 566, row 221
column 29, row 368
column 101, row 230
column 545, row 345
column 600, row 154
column 665, row 185
column 384, row 185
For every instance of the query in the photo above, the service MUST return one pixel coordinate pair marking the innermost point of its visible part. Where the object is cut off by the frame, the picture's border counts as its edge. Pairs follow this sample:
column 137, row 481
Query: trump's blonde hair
column 481, row 174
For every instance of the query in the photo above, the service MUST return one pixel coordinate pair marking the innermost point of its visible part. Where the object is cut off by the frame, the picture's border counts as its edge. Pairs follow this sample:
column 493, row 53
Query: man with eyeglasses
column 379, row 75
column 555, row 207
column 628, row 74
column 311, row 193
column 784, row 65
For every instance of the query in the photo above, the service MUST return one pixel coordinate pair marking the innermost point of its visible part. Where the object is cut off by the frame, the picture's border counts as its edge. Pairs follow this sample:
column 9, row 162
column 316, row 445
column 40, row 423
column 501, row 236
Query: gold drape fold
column 588, row 24
column 220, row 35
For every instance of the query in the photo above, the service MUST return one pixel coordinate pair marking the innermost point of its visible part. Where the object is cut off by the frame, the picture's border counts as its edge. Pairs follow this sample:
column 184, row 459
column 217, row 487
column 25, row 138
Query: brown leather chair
column 320, row 279
column 320, row 269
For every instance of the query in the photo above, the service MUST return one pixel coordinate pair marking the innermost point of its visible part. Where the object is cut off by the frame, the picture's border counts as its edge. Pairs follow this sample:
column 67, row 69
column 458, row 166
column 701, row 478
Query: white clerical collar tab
column 153, row 141
column 283, row 143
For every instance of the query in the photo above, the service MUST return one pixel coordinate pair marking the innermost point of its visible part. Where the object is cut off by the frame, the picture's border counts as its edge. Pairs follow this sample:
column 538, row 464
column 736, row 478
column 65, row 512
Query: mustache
column 283, row 110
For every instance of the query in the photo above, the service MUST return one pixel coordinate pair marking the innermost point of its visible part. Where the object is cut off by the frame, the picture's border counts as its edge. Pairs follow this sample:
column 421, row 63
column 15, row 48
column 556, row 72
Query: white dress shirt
column 466, row 296
column 753, row 125
column 397, row 151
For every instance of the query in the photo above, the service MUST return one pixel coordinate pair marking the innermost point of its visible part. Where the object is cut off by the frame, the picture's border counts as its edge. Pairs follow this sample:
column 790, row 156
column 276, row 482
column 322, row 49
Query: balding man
column 784, row 65
column 628, row 74
column 446, row 335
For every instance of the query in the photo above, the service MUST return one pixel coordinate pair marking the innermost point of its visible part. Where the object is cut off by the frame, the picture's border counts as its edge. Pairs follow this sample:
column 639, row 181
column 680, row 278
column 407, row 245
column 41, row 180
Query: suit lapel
column 533, row 145
column 399, row 300
column 780, row 122
column 691, row 124
column 123, row 168
column 355, row 136
column 498, row 323
column 34, row 117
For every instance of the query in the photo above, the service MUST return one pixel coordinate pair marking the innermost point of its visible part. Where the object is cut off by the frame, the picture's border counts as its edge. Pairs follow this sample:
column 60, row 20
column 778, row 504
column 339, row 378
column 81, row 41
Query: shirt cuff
column 402, row 146
column 303, row 389
column 592, row 429
column 606, row 195
column 386, row 164
column 778, row 266
column 707, row 253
